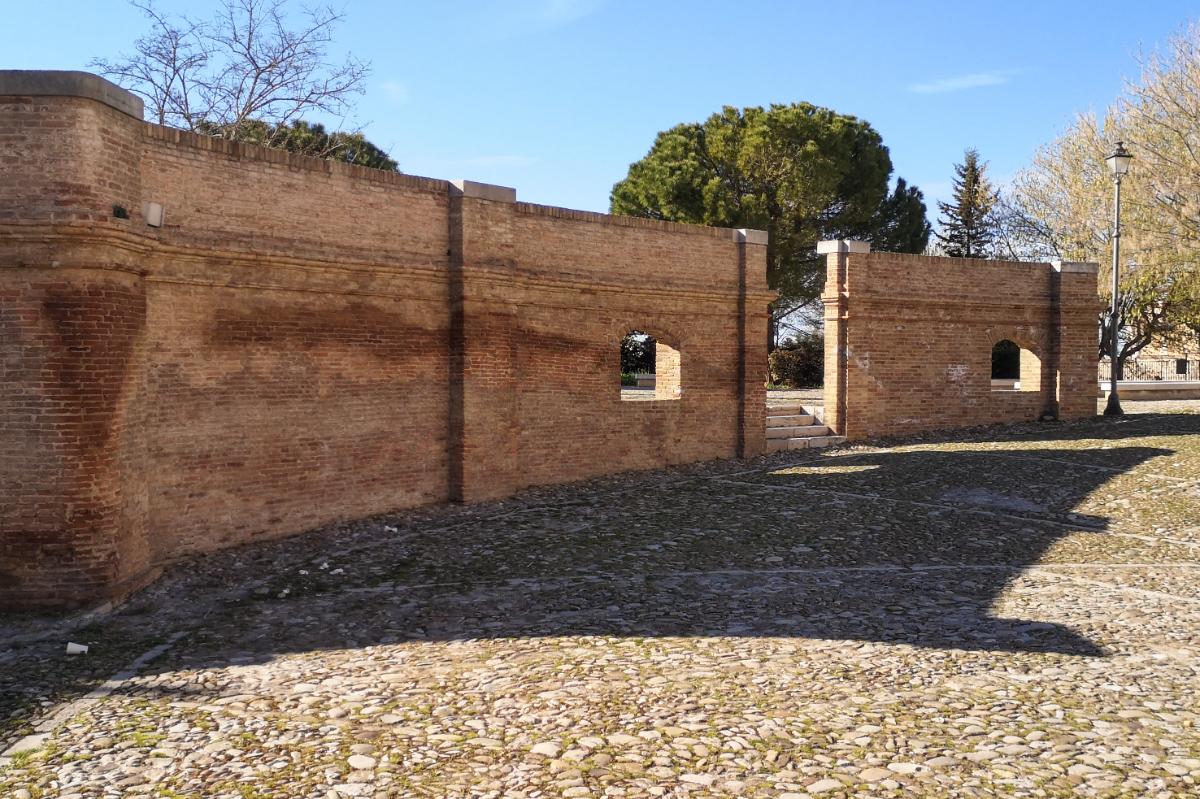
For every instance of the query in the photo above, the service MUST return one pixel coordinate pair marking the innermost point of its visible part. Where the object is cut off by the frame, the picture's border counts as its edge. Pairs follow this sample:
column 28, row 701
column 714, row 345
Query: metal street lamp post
column 1118, row 162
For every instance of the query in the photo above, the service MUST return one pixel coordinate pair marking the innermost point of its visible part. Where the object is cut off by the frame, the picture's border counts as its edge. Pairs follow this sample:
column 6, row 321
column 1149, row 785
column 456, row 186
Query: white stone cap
column 484, row 191
column 842, row 245
column 750, row 235
column 1086, row 267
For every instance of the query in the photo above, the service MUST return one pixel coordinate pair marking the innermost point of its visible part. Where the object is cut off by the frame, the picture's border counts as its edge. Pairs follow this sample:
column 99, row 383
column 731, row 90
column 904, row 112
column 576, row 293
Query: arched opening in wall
column 650, row 368
column 1015, row 368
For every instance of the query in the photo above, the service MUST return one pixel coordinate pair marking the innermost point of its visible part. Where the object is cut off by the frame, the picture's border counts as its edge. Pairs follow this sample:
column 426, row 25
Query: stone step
column 810, row 442
column 800, row 431
column 783, row 444
column 790, row 421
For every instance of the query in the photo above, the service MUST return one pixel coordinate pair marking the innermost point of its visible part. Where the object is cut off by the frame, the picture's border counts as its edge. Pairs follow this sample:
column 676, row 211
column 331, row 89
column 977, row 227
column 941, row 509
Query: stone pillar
column 836, row 299
column 483, row 354
column 1073, row 331
column 752, row 351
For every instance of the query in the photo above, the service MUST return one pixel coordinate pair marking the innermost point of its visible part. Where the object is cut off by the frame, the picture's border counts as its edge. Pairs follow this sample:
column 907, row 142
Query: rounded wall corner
column 70, row 83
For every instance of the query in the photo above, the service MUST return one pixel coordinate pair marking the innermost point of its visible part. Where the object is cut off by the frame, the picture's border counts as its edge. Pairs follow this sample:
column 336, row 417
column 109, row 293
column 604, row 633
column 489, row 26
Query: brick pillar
column 752, row 350
column 1073, row 329
column 73, row 521
column 838, row 341
column 73, row 504
column 483, row 346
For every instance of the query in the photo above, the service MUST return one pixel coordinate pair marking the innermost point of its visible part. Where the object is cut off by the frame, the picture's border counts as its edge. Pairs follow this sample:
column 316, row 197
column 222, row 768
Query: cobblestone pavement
column 1008, row 611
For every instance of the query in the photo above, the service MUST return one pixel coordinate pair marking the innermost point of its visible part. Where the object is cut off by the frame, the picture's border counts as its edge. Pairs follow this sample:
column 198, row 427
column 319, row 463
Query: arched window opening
column 650, row 368
column 1015, row 368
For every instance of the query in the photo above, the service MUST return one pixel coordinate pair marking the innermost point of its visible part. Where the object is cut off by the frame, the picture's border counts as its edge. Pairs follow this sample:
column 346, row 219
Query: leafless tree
column 1020, row 235
column 243, row 72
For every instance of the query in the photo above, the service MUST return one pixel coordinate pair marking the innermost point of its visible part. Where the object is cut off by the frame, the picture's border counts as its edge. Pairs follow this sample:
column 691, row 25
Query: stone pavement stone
column 1003, row 611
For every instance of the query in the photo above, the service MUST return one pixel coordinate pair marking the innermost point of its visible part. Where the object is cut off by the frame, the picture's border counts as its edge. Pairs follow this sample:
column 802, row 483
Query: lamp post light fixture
column 1118, row 162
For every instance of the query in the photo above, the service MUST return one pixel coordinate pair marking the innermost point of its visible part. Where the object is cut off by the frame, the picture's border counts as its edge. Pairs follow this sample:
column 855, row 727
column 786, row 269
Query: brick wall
column 303, row 342
column 908, row 341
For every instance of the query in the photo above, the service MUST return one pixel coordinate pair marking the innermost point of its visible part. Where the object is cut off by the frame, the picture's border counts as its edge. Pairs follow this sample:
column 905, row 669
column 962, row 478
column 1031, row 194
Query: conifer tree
column 967, row 224
column 801, row 172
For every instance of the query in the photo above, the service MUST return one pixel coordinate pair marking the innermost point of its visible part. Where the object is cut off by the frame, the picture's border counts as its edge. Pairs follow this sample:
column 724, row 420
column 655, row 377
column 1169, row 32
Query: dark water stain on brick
column 97, row 328
column 90, row 340
column 358, row 326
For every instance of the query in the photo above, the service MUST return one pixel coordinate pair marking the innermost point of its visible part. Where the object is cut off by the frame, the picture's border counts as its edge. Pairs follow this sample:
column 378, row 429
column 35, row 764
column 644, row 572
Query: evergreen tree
column 899, row 224
column 313, row 139
column 307, row 139
column 801, row 172
column 967, row 224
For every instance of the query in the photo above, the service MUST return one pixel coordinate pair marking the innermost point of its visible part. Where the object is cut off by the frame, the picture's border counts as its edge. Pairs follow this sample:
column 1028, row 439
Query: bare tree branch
column 244, row 68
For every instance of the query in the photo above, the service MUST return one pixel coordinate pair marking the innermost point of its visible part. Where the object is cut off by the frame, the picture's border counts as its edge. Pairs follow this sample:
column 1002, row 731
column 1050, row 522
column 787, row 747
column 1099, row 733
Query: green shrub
column 628, row 379
column 799, row 362
column 637, row 353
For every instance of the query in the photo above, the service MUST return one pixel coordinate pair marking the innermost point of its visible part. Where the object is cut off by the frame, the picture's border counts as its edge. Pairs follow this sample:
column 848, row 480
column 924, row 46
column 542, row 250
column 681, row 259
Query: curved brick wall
column 303, row 342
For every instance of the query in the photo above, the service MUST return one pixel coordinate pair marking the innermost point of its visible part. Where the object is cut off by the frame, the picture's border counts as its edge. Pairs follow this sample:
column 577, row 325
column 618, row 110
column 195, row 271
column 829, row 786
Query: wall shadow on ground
column 899, row 547
column 909, row 547
column 892, row 547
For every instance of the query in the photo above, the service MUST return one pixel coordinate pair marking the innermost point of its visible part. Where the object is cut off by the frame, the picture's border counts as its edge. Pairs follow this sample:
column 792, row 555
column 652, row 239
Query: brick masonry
column 908, row 340
column 303, row 342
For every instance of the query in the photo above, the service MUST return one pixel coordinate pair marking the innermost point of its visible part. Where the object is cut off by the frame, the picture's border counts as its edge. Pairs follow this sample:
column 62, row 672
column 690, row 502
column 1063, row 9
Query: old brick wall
column 909, row 341
column 297, row 342
column 674, row 283
column 73, row 504
column 303, row 342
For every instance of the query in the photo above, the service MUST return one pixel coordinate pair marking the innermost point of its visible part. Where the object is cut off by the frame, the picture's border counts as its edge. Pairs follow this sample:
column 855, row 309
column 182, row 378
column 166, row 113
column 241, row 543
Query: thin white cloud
column 397, row 92
column 960, row 83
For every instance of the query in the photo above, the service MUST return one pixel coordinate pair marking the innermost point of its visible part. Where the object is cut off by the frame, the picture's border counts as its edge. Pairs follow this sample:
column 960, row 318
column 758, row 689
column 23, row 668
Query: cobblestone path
column 1011, row 611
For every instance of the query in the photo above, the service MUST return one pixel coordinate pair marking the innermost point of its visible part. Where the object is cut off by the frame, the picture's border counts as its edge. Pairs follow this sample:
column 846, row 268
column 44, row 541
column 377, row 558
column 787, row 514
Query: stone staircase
column 790, row 426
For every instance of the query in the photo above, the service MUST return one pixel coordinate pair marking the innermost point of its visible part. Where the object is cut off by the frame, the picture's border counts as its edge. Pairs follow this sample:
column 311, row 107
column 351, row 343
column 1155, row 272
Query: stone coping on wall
column 69, row 83
column 750, row 236
column 827, row 247
column 258, row 152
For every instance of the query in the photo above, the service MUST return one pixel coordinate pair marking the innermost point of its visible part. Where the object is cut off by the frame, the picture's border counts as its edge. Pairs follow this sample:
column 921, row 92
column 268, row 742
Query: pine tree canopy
column 308, row 139
column 801, row 172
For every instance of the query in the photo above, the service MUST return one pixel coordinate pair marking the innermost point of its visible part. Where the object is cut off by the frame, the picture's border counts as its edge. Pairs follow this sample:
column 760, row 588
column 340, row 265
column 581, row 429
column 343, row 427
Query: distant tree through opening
column 650, row 365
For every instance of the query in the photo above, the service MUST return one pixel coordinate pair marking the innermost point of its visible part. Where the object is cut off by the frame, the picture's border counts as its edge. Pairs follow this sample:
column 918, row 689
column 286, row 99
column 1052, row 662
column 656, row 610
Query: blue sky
column 557, row 97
